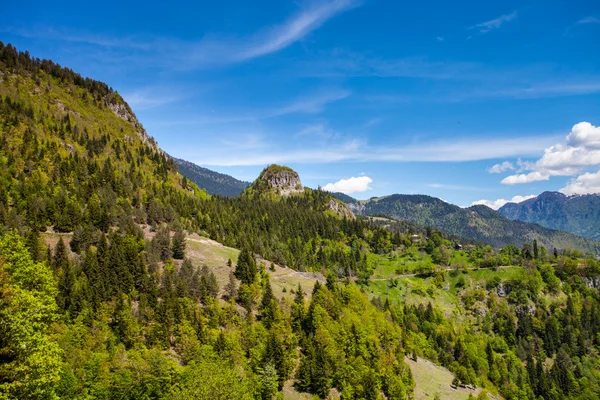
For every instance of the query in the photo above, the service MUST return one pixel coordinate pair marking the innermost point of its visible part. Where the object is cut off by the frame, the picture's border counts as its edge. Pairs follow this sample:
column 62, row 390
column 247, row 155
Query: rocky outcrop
column 283, row 181
column 340, row 209
column 122, row 110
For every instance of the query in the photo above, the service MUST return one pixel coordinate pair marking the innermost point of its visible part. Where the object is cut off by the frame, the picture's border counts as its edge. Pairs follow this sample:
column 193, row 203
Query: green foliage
column 30, row 361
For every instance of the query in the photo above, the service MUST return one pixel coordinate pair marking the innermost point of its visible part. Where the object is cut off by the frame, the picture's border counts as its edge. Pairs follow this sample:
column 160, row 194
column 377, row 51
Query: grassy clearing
column 431, row 379
column 204, row 251
column 406, row 263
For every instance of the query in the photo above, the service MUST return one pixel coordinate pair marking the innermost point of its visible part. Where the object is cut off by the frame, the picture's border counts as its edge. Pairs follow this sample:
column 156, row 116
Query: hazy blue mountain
column 211, row 181
column 578, row 214
column 479, row 223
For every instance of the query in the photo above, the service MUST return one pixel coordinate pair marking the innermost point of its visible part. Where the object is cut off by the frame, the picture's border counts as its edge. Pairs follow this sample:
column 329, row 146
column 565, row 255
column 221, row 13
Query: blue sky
column 464, row 100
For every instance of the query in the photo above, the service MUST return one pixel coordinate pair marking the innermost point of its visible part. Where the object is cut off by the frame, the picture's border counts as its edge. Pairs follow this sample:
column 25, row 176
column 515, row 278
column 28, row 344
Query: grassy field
column 432, row 379
column 204, row 251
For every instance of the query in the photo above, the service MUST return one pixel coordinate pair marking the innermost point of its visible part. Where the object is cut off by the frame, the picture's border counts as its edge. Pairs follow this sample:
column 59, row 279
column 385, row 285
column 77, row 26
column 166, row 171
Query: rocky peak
column 282, row 180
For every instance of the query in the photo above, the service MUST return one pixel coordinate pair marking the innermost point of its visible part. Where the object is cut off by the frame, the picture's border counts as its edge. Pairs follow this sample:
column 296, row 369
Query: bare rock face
column 283, row 180
column 122, row 110
column 340, row 209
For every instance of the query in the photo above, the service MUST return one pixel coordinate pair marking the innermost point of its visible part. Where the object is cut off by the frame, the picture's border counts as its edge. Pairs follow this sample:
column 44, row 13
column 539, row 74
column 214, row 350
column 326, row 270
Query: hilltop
column 277, row 182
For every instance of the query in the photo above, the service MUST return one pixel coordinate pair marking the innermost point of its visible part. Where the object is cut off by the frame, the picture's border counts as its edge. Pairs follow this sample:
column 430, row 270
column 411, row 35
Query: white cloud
column 581, row 149
column 498, row 168
column 496, row 23
column 496, row 204
column 440, row 39
column 584, row 134
column 583, row 184
column 350, row 185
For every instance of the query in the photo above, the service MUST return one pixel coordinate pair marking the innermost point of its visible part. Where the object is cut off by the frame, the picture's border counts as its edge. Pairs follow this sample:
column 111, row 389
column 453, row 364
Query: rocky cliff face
column 122, row 110
column 340, row 209
column 283, row 181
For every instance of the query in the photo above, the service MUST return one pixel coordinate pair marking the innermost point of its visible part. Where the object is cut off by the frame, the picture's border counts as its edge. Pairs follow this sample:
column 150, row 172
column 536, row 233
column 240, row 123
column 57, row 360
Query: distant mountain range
column 579, row 214
column 478, row 223
column 213, row 182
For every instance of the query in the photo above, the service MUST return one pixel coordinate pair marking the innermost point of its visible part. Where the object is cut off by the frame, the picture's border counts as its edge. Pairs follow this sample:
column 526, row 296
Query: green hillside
column 73, row 154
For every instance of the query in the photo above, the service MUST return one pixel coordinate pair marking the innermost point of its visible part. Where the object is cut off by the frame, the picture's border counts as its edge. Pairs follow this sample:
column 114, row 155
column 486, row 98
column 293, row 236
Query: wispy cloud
column 582, row 21
column 213, row 49
column 219, row 50
column 343, row 63
column 146, row 98
column 495, row 23
column 588, row 20
column 498, row 168
column 311, row 104
column 355, row 150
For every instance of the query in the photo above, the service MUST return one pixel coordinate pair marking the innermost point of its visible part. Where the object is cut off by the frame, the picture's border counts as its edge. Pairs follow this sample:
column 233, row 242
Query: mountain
column 579, row 214
column 479, row 223
column 211, row 181
column 73, row 154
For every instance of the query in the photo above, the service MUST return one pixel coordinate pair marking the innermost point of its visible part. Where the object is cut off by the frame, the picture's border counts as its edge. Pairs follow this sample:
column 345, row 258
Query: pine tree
column 298, row 312
column 245, row 270
column 178, row 245
column 268, row 306
column 61, row 257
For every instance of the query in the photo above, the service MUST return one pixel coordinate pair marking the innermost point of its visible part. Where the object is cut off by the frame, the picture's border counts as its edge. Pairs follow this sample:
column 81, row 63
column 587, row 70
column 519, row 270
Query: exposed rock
column 282, row 180
column 340, row 209
column 501, row 290
column 356, row 207
column 592, row 283
column 522, row 310
column 123, row 111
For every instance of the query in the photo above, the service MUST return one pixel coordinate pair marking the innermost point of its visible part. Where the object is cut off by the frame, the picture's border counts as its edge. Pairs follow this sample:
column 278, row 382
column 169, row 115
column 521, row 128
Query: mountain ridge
column 215, row 183
column 475, row 222
column 578, row 214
